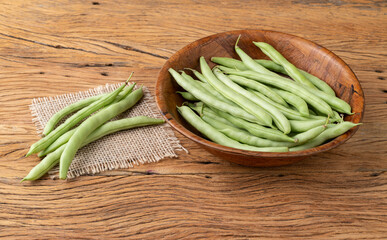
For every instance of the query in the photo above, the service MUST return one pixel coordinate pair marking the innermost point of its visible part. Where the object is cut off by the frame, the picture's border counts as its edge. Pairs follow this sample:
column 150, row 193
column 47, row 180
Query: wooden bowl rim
column 180, row 128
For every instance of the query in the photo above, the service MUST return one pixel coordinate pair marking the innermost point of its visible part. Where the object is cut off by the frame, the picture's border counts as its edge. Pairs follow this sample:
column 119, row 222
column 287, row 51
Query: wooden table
column 52, row 47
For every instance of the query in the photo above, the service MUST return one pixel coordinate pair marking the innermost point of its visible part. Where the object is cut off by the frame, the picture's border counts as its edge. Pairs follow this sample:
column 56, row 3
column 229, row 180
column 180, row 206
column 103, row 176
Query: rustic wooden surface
column 52, row 47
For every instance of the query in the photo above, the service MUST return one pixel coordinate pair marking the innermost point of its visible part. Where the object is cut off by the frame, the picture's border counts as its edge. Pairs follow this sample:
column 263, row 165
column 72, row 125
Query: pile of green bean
column 60, row 144
column 249, row 104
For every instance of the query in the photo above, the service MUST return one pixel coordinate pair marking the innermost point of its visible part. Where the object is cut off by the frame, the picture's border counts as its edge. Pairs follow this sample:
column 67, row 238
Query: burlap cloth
column 119, row 150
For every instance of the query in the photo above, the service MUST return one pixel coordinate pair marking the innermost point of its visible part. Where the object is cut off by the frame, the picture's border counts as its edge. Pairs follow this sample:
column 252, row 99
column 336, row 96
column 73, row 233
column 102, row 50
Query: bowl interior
column 302, row 53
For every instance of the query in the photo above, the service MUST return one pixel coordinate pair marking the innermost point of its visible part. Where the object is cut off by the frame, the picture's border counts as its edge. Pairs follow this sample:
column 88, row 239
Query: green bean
column 92, row 123
column 295, row 101
column 50, row 125
column 289, row 113
column 235, row 96
column 205, row 111
column 305, row 125
column 335, row 102
column 217, row 136
column 255, row 129
column 242, row 135
column 288, row 85
column 73, row 120
column 250, row 63
column 277, row 57
column 188, row 96
column 217, row 94
column 58, row 142
column 198, row 75
column 66, row 136
column 207, row 88
column 267, row 91
column 279, row 119
column 239, row 65
column 320, row 84
column 230, row 63
column 329, row 133
column 68, row 110
column 52, row 158
column 209, row 99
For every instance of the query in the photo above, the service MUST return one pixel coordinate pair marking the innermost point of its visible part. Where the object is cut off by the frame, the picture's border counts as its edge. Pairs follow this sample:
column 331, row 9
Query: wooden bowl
column 304, row 54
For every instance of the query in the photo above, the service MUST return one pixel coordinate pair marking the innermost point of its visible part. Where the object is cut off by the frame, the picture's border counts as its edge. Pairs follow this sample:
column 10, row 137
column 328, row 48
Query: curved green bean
column 235, row 96
column 265, row 90
column 279, row 119
column 241, row 135
column 255, row 129
column 335, row 102
column 66, row 136
column 68, row 110
column 317, row 82
column 289, row 113
column 250, row 63
column 52, row 159
column 295, row 101
column 305, row 125
column 230, row 63
column 217, row 136
column 197, row 74
column 92, row 123
column 53, row 121
column 210, row 99
column 43, row 143
column 277, row 57
column 188, row 96
column 288, row 85
column 329, row 133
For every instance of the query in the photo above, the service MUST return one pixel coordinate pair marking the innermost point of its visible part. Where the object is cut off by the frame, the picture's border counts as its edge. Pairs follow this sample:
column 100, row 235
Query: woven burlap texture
column 123, row 149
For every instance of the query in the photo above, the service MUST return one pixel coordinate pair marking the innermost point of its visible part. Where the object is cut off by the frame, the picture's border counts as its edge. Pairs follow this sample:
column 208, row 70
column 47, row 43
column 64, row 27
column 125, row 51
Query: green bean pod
column 234, row 96
column 230, row 63
column 335, row 102
column 52, row 159
column 255, row 129
column 197, row 74
column 205, row 111
column 305, row 125
column 188, row 96
column 219, row 137
column 279, row 119
column 277, row 57
column 242, row 135
column 92, row 123
column 328, row 134
column 50, row 125
column 210, row 99
column 288, row 85
column 295, row 101
column 66, row 136
column 265, row 90
column 289, row 113
column 320, row 84
column 43, row 143
column 250, row 63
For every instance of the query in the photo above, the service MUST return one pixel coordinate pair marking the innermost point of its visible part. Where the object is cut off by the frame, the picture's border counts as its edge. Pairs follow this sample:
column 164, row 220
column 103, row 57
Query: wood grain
column 54, row 47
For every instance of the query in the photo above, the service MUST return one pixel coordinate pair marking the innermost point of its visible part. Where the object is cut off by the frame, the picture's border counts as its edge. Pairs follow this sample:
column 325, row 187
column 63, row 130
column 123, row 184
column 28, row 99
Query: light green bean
column 209, row 99
column 234, row 96
column 331, row 132
column 288, row 85
column 277, row 57
column 279, row 119
column 92, row 123
column 52, row 158
column 217, row 136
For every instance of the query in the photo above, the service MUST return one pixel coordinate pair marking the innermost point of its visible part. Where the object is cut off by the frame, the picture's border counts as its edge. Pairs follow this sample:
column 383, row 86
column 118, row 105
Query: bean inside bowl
column 303, row 53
